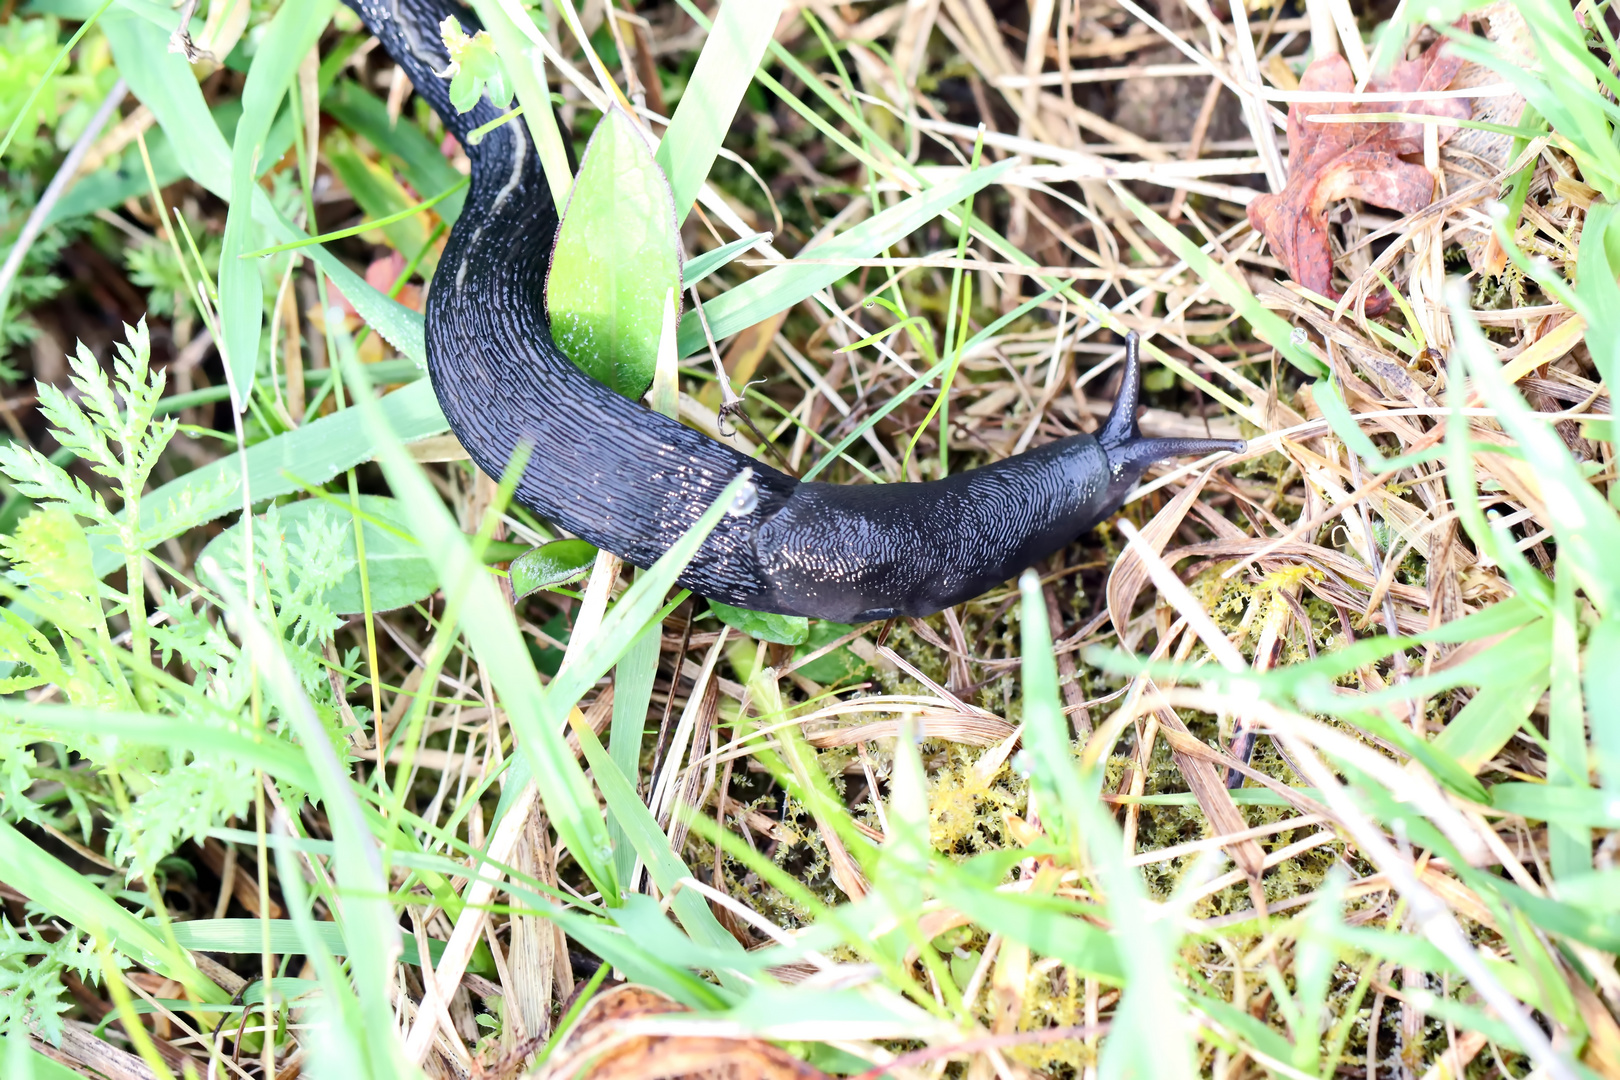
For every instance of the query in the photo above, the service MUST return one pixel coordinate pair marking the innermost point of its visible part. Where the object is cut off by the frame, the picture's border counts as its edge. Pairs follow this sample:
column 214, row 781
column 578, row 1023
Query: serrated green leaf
column 617, row 258
column 548, row 565
column 762, row 626
column 399, row 572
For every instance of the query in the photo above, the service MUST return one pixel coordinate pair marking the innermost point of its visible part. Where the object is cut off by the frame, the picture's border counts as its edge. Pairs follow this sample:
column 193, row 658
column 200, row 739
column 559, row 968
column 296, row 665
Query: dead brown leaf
column 611, row 1042
column 1332, row 161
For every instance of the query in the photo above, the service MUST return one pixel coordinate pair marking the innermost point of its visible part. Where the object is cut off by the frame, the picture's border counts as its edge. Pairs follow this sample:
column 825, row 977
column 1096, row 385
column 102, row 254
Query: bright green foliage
column 783, row 629
column 27, row 49
column 397, row 570
column 300, row 560
column 475, row 69
column 616, row 260
column 153, row 266
column 31, row 991
column 548, row 565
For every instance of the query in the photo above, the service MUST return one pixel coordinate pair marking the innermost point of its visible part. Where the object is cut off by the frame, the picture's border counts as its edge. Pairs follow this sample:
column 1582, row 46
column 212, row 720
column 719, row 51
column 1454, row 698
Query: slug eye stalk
column 1129, row 453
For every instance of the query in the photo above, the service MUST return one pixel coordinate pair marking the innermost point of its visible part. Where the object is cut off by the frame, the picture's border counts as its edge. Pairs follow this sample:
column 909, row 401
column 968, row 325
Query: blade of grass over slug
column 783, row 286
column 1268, row 325
column 77, row 901
column 736, row 45
column 536, row 716
column 295, row 27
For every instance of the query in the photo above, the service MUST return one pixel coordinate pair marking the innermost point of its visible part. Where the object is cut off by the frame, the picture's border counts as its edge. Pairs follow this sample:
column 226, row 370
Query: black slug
column 632, row 481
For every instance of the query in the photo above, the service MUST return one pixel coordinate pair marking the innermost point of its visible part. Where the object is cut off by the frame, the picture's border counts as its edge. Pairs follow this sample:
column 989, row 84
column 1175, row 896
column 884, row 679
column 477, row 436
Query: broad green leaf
column 782, row 629
column 474, row 67
column 296, row 27
column 737, row 42
column 836, row 666
column 548, row 565
column 398, row 571
column 617, row 257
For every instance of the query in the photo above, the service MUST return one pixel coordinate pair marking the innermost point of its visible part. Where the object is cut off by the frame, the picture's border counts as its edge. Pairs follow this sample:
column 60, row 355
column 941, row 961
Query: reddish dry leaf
column 1360, row 161
column 600, row 1047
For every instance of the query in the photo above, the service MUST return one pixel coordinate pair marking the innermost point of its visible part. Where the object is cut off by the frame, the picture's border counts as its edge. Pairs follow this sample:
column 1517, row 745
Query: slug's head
column 1129, row 453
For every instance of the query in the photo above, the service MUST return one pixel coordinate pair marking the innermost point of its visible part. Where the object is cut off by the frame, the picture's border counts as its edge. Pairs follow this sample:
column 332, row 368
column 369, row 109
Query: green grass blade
column 165, row 84
column 736, row 45
column 1587, row 527
column 364, row 226
column 783, row 286
column 534, row 714
column 366, row 115
column 519, row 43
column 312, row 454
column 295, row 27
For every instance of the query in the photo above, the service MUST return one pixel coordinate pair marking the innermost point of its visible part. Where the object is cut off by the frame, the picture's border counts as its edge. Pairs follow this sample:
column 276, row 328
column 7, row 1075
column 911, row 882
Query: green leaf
column 737, row 42
column 75, row 899
column 701, row 266
column 836, row 666
column 1482, row 727
column 1569, row 806
column 549, row 565
column 617, row 257
column 474, row 67
column 248, row 935
column 312, row 454
column 399, row 572
column 164, row 83
column 43, row 1068
column 782, row 629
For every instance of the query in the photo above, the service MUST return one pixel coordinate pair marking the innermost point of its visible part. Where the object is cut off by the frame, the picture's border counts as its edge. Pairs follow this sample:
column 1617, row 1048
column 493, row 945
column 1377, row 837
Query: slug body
column 631, row 481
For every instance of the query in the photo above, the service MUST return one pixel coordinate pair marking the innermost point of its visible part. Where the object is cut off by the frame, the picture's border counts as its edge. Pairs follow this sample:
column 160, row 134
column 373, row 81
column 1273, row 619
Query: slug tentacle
column 632, row 481
column 1129, row 452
